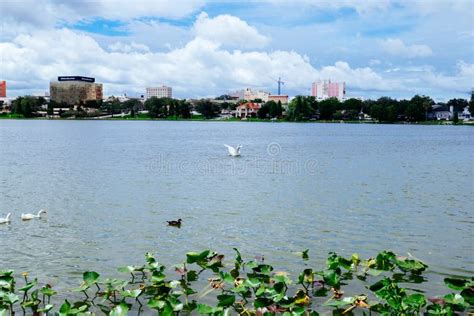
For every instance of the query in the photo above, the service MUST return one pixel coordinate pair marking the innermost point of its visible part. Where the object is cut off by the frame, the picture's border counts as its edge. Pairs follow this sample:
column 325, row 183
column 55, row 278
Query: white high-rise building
column 159, row 92
column 327, row 89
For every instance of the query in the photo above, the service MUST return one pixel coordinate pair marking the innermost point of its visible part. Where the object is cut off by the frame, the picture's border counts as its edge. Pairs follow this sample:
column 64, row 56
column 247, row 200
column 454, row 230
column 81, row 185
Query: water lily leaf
column 226, row 277
column 455, row 299
column 410, row 265
column 384, row 260
column 157, row 277
column 156, row 304
column 10, row 298
column 332, row 278
column 65, row 308
column 374, row 272
column 48, row 291
column 192, row 276
column 131, row 293
column 7, row 272
column 415, row 300
column 346, row 301
column 252, row 282
column 225, row 300
column 28, row 286
column 204, row 309
column 90, row 277
column 7, row 285
column 127, row 269
column 47, row 308
column 468, row 295
column 456, row 284
column 192, row 257
column 120, row 310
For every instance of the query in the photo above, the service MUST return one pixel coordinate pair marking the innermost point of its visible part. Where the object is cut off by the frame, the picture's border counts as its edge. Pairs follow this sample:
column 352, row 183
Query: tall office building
column 159, row 92
column 326, row 89
column 75, row 90
column 3, row 89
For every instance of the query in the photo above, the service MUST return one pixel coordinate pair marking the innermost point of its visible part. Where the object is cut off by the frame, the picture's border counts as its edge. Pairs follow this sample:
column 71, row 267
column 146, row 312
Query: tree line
column 300, row 108
column 384, row 109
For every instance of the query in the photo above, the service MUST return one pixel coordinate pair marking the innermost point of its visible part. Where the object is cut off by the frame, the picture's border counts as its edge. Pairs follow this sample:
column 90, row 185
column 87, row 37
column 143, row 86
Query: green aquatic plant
column 204, row 284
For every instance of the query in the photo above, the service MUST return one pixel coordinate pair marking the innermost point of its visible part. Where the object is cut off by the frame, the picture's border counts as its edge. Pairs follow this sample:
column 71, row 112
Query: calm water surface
column 109, row 186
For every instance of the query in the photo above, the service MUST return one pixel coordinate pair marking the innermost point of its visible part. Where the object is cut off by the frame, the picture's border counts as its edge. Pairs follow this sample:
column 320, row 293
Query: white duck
column 234, row 152
column 27, row 217
column 5, row 220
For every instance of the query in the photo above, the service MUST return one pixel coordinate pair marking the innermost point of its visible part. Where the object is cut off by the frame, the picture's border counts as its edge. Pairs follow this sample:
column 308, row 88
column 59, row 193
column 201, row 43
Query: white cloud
column 228, row 30
column 30, row 14
column 359, row 78
column 128, row 48
column 201, row 67
column 223, row 53
column 397, row 47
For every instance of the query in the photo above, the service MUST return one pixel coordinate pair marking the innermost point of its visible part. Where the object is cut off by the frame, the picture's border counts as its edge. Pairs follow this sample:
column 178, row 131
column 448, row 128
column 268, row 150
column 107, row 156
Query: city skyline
column 201, row 49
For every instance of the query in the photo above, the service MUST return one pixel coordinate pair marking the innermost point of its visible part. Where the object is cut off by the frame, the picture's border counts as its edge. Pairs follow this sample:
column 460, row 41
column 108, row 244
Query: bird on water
column 175, row 223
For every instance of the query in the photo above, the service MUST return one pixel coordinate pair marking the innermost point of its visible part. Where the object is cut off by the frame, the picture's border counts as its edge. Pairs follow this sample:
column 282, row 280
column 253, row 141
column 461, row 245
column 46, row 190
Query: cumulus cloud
column 201, row 67
column 29, row 14
column 128, row 48
column 397, row 47
column 218, row 54
column 229, row 30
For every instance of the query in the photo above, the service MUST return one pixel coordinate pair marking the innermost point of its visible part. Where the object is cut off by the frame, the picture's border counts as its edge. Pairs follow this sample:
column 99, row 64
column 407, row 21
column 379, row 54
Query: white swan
column 5, row 220
column 27, row 217
column 234, row 152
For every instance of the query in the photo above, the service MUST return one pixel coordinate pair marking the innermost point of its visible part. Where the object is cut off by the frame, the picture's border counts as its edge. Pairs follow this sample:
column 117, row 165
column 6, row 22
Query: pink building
column 327, row 89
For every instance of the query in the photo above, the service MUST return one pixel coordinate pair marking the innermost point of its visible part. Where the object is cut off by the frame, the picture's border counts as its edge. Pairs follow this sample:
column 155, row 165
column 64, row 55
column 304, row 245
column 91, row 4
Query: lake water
column 109, row 187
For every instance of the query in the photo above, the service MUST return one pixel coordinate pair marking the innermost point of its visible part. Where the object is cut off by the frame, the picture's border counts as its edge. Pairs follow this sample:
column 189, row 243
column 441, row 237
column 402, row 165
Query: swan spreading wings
column 5, row 220
column 234, row 152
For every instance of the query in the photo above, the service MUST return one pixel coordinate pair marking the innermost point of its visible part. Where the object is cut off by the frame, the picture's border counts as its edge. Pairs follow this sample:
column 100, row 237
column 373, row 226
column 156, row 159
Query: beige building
column 159, row 92
column 75, row 90
column 283, row 98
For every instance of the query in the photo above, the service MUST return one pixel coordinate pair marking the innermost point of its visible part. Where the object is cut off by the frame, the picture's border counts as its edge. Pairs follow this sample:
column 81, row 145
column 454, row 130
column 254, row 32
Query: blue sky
column 394, row 48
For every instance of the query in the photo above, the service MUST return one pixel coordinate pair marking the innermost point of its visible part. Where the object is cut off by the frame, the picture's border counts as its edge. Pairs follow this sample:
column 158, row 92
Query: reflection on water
column 109, row 188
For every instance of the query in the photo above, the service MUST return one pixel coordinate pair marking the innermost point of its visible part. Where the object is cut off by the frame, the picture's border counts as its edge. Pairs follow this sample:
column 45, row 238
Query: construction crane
column 279, row 84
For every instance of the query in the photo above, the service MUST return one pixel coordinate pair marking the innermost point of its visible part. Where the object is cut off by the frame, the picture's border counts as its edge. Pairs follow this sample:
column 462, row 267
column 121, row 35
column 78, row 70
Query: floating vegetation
column 203, row 284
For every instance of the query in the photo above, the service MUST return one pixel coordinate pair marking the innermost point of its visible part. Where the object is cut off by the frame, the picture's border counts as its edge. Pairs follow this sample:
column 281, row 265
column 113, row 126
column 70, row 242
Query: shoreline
column 469, row 123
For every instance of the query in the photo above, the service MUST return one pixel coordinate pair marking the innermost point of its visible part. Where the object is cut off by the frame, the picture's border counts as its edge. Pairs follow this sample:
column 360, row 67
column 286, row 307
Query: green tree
column 183, row 109
column 328, row 107
column 25, row 106
column 51, row 105
column 353, row 104
column 415, row 111
column 207, row 108
column 457, row 104
column 471, row 105
column 274, row 109
column 456, row 118
column 132, row 106
column 379, row 112
column 392, row 114
column 16, row 106
column 264, row 111
column 156, row 107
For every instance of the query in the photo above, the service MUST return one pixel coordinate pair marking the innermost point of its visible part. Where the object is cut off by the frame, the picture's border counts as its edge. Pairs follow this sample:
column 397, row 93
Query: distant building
column 250, row 94
column 75, row 90
column 159, row 92
column 248, row 109
column 283, row 98
column 3, row 89
column 326, row 89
